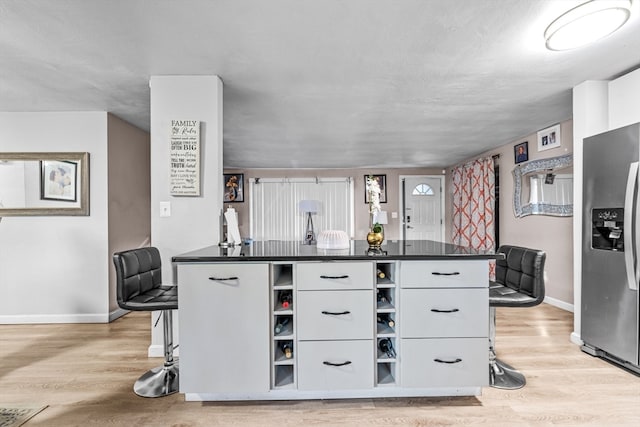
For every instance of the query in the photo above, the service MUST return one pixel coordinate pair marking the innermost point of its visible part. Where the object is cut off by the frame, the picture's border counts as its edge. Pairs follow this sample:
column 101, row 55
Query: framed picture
column 58, row 180
column 549, row 138
column 382, row 182
column 521, row 152
column 233, row 188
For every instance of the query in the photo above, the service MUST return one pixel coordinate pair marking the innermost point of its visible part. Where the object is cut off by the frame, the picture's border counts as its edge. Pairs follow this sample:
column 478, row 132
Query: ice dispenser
column 607, row 229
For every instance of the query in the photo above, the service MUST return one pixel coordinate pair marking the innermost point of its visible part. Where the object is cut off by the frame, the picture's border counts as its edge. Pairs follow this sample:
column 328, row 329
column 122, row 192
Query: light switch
column 165, row 209
column 394, row 214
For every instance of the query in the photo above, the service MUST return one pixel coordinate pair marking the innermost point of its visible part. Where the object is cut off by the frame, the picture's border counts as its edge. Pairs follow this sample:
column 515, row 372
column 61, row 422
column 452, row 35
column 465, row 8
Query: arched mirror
column 544, row 187
column 42, row 184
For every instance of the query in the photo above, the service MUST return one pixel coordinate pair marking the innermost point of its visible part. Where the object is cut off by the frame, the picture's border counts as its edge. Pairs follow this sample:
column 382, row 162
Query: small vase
column 375, row 239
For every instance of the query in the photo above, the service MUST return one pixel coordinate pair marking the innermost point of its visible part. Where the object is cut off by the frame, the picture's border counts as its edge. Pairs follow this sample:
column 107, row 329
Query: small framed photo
column 549, row 138
column 382, row 182
column 233, row 188
column 521, row 152
column 59, row 180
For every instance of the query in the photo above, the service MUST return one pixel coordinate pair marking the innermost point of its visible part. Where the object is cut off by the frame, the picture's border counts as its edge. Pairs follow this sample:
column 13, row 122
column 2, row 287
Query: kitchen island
column 283, row 320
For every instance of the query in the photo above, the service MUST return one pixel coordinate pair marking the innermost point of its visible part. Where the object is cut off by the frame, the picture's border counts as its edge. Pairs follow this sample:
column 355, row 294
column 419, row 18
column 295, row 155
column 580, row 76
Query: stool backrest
column 522, row 270
column 137, row 272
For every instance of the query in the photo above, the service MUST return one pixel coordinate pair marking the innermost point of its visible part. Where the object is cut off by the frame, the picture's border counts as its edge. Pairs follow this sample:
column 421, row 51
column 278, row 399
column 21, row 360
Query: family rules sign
column 185, row 158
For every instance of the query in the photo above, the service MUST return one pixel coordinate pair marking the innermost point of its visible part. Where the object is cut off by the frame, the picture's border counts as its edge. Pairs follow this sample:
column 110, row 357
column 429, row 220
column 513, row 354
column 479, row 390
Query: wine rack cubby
column 283, row 351
column 386, row 323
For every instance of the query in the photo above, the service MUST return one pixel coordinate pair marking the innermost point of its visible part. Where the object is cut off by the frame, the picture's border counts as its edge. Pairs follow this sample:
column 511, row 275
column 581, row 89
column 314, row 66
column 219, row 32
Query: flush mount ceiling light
column 587, row 23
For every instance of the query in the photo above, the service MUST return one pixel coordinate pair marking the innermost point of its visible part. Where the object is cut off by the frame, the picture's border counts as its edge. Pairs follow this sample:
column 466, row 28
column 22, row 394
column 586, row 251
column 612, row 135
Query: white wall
column 55, row 269
column 597, row 107
column 194, row 221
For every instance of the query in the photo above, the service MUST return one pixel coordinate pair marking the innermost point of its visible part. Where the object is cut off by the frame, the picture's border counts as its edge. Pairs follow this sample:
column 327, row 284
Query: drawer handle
column 222, row 279
column 455, row 273
column 334, row 277
column 447, row 361
column 333, row 313
column 348, row 362
column 437, row 310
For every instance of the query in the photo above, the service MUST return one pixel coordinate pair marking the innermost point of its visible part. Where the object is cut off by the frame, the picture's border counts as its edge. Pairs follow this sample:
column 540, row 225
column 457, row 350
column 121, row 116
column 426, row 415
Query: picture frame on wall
column 549, row 138
column 382, row 182
column 521, row 152
column 233, row 190
column 59, row 180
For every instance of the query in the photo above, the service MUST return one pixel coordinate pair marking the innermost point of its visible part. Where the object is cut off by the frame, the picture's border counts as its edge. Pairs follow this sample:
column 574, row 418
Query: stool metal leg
column 501, row 375
column 162, row 380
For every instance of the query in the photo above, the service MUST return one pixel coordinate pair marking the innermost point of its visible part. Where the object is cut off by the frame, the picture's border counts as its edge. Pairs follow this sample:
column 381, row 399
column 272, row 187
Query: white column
column 194, row 221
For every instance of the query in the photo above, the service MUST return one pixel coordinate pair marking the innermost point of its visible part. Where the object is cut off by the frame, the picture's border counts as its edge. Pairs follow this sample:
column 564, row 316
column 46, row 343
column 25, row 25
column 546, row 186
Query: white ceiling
column 314, row 83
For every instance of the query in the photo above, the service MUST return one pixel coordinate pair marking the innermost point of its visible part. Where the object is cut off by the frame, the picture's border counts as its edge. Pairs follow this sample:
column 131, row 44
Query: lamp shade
column 380, row 217
column 309, row 206
column 587, row 23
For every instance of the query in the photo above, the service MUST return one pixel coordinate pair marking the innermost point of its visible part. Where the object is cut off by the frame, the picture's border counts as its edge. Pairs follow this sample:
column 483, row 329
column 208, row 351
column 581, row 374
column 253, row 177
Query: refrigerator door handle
column 629, row 243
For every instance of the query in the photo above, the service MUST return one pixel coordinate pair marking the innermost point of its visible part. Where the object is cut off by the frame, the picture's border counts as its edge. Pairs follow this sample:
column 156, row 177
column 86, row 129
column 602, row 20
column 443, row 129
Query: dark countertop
column 277, row 250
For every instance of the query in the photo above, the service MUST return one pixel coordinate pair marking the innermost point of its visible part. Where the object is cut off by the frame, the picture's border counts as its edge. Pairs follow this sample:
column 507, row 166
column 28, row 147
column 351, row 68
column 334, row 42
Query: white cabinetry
column 445, row 323
column 333, row 329
column 224, row 328
column 336, row 365
column 335, row 325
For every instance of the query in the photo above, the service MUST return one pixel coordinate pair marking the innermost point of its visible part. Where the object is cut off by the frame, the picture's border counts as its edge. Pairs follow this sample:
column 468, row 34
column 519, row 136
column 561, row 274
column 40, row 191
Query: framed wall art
column 549, row 138
column 58, row 180
column 521, row 152
column 233, row 188
column 382, row 182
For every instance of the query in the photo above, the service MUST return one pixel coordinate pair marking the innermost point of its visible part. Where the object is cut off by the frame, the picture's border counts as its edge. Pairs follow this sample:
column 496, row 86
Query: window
column 422, row 190
column 274, row 206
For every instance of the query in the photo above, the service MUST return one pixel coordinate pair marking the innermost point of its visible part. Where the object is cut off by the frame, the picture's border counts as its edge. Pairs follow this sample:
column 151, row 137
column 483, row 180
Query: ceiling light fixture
column 587, row 23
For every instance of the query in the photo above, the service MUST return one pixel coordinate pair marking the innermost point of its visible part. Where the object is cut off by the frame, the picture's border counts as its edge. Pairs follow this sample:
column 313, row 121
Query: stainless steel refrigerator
column 610, row 246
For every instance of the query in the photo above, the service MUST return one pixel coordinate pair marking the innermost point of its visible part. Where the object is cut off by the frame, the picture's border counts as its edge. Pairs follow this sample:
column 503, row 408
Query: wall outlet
column 165, row 209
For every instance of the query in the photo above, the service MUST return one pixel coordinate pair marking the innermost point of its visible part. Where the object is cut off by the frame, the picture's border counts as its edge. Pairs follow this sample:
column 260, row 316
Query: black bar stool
column 519, row 283
column 140, row 288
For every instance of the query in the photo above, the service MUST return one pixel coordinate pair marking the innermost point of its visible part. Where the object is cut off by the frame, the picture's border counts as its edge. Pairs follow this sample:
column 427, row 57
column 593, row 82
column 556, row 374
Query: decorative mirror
column 42, row 184
column 544, row 187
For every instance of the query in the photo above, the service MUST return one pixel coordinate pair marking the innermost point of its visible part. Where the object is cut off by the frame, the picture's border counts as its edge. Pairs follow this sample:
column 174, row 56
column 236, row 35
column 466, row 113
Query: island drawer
column 335, row 365
column 445, row 362
column 334, row 275
column 445, row 274
column 332, row 315
column 444, row 313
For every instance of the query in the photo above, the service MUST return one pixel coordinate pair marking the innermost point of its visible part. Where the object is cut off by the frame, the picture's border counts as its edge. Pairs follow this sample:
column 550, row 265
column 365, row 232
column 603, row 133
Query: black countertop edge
column 186, row 259
column 272, row 250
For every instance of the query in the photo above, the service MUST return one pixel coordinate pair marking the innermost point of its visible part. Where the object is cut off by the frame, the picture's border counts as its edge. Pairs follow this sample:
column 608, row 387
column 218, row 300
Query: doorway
column 422, row 207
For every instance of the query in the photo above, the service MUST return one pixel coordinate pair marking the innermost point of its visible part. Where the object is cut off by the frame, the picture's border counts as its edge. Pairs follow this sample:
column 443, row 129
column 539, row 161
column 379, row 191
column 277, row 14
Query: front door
column 422, row 208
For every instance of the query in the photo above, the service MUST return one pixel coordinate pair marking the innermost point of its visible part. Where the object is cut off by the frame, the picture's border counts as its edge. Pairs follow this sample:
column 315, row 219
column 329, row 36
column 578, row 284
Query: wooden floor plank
column 85, row 374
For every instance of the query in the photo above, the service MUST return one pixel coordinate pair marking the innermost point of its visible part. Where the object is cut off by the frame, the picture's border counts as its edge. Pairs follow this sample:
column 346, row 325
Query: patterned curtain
column 474, row 200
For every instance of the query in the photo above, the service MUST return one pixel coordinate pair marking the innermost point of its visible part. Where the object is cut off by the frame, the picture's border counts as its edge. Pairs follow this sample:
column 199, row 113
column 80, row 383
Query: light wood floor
column 85, row 374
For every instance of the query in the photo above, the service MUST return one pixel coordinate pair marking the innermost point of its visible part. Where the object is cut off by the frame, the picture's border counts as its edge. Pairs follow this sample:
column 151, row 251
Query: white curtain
column 274, row 206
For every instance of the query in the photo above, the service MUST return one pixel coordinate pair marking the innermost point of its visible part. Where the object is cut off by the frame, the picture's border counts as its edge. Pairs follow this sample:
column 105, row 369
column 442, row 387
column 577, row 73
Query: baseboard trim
column 62, row 318
column 157, row 350
column 116, row 314
column 560, row 304
column 575, row 338
column 54, row 318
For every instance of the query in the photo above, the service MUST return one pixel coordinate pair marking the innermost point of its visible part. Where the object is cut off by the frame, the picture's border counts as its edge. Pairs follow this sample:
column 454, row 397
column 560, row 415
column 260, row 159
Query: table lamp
column 380, row 217
column 309, row 207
